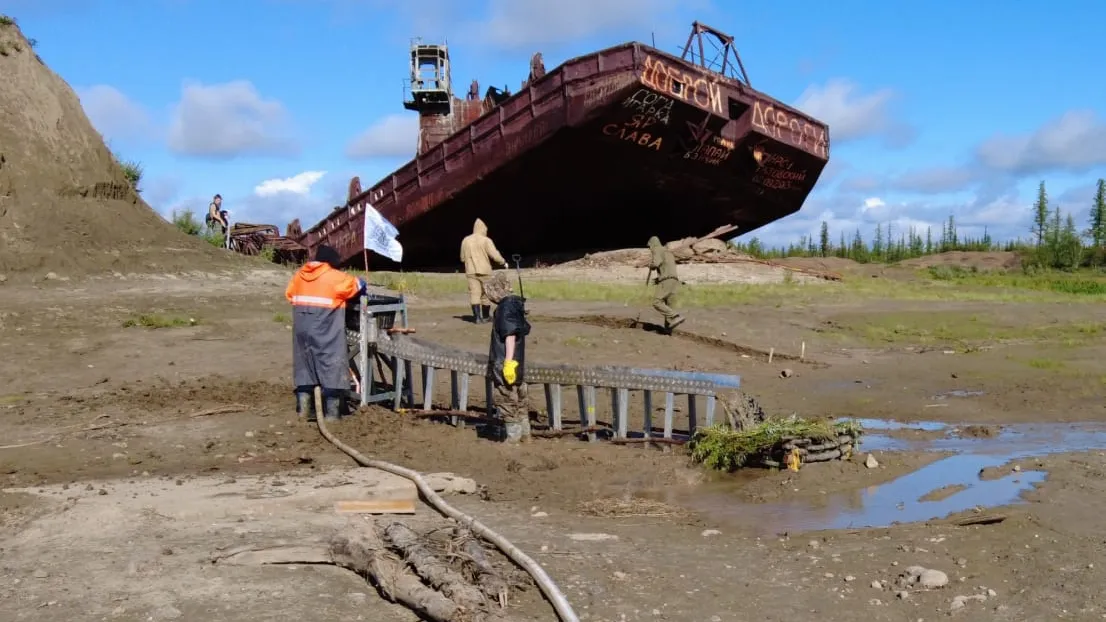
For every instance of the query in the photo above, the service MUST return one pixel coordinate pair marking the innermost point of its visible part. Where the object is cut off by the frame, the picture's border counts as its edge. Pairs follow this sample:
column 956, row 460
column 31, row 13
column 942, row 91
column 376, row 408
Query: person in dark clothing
column 507, row 358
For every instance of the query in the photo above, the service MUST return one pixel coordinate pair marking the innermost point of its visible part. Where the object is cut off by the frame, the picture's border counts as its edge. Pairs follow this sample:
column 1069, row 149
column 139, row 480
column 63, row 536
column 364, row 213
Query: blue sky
column 934, row 108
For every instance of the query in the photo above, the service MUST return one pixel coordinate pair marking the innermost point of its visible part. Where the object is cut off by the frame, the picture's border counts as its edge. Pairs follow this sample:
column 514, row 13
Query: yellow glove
column 510, row 371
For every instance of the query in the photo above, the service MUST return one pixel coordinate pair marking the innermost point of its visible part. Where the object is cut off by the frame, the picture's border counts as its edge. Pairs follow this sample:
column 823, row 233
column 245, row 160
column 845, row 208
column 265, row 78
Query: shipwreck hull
column 600, row 153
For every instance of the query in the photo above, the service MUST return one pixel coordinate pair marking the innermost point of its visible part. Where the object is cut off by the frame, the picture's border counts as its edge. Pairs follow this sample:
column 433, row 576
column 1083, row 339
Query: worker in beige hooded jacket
column 478, row 252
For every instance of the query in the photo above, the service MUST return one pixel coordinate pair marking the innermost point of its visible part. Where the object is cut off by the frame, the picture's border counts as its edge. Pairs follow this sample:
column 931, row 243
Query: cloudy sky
column 934, row 107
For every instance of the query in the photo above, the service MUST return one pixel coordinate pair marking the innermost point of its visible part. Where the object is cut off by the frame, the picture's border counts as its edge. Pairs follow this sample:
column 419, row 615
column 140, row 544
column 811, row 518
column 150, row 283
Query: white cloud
column 115, row 115
column 278, row 201
column 851, row 114
column 1004, row 216
column 1075, row 141
column 229, row 120
column 394, row 136
column 296, row 184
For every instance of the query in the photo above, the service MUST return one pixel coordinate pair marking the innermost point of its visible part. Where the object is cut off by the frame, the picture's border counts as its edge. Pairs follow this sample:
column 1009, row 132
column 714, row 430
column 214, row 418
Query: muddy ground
column 156, row 390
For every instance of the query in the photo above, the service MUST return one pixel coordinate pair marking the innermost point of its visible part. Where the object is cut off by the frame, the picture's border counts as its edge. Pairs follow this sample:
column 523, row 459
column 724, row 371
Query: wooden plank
column 427, row 387
column 376, row 506
column 459, row 395
column 553, row 405
column 588, row 414
column 669, row 407
column 621, row 405
column 692, row 414
column 399, row 366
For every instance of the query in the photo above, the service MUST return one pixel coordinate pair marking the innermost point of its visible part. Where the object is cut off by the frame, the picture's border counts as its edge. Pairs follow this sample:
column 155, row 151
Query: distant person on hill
column 216, row 217
column 477, row 253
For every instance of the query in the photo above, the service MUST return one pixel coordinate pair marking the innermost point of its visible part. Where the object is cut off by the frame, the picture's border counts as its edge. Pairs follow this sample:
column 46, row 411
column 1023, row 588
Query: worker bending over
column 663, row 262
column 318, row 292
column 507, row 358
column 477, row 253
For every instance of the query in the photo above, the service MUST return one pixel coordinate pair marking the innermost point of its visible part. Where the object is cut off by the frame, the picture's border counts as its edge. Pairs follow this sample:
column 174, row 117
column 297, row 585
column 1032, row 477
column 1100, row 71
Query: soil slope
column 65, row 204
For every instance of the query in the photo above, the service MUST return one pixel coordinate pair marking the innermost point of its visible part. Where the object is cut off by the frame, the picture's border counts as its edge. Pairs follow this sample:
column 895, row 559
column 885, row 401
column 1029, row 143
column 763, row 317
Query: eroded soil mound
column 698, row 251
column 999, row 260
column 65, row 204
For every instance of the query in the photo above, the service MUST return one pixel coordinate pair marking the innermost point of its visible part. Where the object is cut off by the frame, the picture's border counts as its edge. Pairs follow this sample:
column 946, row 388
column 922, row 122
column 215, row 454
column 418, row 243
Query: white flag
column 380, row 235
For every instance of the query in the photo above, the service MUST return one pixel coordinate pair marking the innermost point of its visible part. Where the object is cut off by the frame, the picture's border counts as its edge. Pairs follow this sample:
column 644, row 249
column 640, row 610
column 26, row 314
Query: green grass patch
column 6, row 21
column 156, row 320
column 1046, row 364
column 723, row 448
column 281, row 318
column 1075, row 284
column 941, row 285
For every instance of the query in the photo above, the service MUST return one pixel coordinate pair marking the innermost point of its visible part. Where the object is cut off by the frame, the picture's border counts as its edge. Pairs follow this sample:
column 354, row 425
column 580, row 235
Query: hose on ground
column 545, row 584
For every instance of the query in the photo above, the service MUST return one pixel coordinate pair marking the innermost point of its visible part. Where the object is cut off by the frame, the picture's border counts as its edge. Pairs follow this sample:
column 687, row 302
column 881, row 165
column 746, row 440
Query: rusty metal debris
column 600, row 153
column 250, row 239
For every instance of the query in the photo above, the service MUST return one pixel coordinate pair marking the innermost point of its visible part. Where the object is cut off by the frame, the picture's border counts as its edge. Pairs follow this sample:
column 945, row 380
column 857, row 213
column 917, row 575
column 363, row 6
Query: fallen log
column 491, row 583
column 362, row 551
column 541, row 578
column 434, row 571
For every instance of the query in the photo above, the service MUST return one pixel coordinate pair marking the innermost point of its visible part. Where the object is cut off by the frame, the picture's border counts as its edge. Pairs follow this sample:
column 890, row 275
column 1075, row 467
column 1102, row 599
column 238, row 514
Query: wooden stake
column 802, row 352
column 771, row 352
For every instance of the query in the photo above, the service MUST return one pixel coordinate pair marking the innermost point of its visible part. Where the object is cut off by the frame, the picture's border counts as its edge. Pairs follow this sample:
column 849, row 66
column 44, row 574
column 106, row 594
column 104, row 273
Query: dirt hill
column 983, row 261
column 65, row 204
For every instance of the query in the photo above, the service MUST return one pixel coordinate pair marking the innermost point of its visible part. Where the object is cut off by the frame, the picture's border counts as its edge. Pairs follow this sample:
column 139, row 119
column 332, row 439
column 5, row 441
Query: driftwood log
column 363, row 552
column 436, row 573
column 445, row 597
column 810, row 450
column 490, row 581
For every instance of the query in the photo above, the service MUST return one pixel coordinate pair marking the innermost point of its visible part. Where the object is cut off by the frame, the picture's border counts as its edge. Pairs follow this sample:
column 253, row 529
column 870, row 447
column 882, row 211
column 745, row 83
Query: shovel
column 518, row 271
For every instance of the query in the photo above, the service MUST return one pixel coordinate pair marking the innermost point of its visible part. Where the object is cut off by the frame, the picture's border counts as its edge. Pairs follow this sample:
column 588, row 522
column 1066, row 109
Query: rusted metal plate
column 599, row 153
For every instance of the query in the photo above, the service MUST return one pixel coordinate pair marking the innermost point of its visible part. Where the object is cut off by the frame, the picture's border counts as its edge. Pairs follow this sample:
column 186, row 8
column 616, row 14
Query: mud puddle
column 949, row 485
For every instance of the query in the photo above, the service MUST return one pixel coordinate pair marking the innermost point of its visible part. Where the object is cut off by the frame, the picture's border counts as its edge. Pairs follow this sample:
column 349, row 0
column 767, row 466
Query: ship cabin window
column 737, row 108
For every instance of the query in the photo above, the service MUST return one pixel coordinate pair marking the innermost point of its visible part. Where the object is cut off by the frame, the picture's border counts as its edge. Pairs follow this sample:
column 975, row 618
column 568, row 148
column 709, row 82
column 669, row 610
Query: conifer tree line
column 1055, row 239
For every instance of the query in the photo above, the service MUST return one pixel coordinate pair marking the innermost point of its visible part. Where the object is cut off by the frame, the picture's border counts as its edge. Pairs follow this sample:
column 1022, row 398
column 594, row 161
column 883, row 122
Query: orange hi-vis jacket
column 317, row 284
column 318, row 294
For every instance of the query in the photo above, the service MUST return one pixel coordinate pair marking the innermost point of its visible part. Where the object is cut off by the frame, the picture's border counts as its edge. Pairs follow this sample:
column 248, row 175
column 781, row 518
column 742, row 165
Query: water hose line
column 545, row 584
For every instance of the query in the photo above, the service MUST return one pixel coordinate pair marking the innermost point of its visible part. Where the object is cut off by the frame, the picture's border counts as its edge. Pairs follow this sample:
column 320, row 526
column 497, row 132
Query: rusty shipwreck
column 600, row 153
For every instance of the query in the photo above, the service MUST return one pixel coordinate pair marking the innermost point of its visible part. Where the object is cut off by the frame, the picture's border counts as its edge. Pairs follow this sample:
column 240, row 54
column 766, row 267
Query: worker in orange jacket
column 318, row 292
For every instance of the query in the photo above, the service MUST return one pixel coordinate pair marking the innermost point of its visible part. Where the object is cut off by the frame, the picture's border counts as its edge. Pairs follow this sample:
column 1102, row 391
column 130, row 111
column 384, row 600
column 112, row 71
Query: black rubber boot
column 305, row 404
column 476, row 314
column 486, row 312
column 334, row 408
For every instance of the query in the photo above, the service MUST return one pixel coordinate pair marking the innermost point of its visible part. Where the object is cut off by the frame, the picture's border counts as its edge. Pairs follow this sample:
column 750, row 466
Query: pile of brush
column 775, row 443
column 443, row 575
